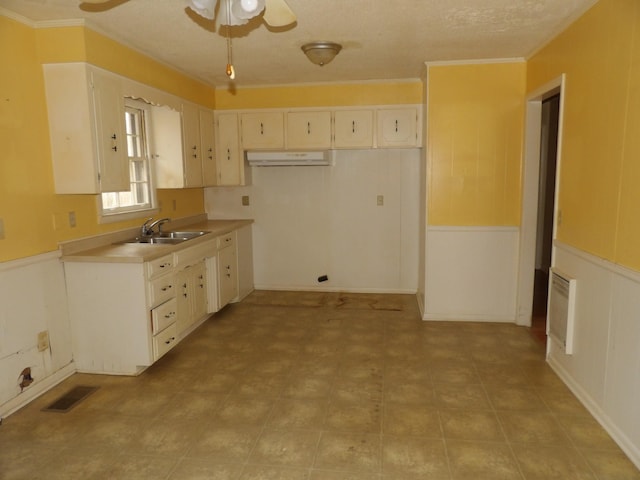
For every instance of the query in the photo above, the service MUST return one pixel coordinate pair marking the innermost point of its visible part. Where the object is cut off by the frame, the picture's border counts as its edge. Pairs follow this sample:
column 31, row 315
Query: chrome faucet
column 147, row 228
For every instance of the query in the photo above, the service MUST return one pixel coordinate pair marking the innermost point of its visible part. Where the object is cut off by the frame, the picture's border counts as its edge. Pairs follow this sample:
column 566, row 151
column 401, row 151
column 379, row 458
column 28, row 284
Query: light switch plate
column 380, row 200
column 245, row 200
column 72, row 219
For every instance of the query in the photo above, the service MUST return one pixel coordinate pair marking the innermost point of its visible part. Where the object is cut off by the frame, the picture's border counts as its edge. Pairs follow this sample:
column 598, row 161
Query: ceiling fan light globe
column 204, row 8
column 246, row 9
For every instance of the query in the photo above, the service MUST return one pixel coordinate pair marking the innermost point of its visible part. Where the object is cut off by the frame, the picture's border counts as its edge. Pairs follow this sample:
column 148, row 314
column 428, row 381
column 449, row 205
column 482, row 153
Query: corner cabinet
column 85, row 108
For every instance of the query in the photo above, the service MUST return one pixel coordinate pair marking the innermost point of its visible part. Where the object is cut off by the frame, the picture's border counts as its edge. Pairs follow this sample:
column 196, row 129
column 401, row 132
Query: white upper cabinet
column 192, row 147
column 309, row 130
column 177, row 148
column 353, row 129
column 228, row 154
column 86, row 125
column 262, row 131
column 207, row 147
column 398, row 127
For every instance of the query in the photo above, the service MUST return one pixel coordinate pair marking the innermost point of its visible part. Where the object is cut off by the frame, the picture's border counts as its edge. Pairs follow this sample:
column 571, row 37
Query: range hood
column 279, row 159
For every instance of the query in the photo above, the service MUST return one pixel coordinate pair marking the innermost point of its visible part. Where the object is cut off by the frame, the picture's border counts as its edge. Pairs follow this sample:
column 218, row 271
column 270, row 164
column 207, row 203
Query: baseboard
column 307, row 288
column 449, row 317
column 601, row 417
column 36, row 390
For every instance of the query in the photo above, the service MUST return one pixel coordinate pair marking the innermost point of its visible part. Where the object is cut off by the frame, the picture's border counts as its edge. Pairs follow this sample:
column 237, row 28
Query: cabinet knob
column 309, row 128
column 353, row 126
column 114, row 145
column 396, row 126
column 261, row 128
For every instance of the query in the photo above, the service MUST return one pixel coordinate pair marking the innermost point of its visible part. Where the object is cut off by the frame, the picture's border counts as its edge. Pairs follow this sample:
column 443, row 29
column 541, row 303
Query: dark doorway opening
column 546, row 207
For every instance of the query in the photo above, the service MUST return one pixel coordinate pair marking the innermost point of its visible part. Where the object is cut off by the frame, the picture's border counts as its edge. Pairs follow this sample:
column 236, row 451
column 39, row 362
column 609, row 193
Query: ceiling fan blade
column 278, row 14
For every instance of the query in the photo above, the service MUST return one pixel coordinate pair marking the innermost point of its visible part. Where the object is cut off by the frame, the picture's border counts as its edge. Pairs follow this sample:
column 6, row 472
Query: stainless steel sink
column 182, row 235
column 166, row 238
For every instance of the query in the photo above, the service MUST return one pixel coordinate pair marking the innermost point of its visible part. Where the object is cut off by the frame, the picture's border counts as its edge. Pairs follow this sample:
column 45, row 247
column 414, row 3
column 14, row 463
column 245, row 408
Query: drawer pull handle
column 164, row 289
column 170, row 314
column 170, row 340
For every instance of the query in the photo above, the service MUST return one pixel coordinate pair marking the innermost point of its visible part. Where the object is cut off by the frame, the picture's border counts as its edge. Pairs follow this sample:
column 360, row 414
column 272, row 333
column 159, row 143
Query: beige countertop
column 106, row 249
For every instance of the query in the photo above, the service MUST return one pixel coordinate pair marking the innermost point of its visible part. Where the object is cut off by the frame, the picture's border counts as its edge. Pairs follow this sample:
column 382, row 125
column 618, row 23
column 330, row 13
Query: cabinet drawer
column 191, row 255
column 164, row 341
column 159, row 266
column 163, row 315
column 226, row 240
column 161, row 289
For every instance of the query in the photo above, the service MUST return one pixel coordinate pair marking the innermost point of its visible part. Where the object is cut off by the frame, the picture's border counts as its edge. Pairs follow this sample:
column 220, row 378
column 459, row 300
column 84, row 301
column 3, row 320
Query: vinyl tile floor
column 322, row 386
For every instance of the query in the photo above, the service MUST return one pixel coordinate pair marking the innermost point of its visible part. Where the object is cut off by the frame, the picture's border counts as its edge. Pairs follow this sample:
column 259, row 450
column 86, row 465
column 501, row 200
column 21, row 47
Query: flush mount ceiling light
column 321, row 53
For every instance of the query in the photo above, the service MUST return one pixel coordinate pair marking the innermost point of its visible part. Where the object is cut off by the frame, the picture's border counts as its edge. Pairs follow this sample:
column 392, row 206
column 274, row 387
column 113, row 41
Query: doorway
column 543, row 133
column 550, row 116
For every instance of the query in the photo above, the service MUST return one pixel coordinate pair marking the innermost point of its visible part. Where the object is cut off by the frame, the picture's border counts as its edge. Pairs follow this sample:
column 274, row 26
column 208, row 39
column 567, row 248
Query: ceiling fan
column 238, row 12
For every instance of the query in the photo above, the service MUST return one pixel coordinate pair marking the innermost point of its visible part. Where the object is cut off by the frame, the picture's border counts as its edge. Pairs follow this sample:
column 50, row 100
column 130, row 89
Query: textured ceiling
column 385, row 39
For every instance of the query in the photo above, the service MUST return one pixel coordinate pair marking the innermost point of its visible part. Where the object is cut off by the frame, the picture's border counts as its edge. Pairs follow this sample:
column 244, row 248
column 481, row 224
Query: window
column 140, row 198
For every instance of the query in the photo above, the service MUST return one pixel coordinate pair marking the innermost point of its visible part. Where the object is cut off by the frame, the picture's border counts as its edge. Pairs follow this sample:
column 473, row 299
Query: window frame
column 133, row 212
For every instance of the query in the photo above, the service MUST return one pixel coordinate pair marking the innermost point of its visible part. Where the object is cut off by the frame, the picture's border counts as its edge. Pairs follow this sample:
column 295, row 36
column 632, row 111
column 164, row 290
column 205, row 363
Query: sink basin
column 166, row 238
column 182, row 235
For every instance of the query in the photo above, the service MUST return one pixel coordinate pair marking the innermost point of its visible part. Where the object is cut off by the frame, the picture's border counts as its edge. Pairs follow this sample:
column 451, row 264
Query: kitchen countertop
column 113, row 252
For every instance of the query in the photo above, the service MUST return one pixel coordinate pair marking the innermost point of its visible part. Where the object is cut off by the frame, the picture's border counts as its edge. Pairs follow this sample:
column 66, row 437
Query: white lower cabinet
column 192, row 298
column 227, row 269
column 125, row 316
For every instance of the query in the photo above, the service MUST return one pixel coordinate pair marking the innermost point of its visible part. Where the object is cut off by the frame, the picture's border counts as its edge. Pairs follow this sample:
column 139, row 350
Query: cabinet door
column 111, row 138
column 191, row 141
column 207, row 147
column 228, row 161
column 353, row 129
column 227, row 275
column 262, row 131
column 199, row 289
column 308, row 130
column 398, row 127
column 183, row 299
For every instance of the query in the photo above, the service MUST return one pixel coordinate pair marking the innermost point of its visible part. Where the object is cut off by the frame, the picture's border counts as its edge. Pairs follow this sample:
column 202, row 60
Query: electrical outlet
column 43, row 341
column 380, row 200
column 72, row 219
column 174, row 204
column 245, row 200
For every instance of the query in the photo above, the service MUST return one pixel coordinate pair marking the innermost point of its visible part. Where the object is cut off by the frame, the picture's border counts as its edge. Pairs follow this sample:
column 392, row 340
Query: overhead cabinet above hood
column 279, row 159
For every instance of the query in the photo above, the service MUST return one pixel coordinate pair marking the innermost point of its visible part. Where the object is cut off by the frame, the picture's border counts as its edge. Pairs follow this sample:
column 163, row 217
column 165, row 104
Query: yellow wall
column 35, row 218
column 600, row 153
column 474, row 143
column 347, row 94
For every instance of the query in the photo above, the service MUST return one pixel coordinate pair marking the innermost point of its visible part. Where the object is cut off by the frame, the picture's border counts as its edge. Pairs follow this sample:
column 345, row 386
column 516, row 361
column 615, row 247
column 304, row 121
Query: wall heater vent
column 561, row 311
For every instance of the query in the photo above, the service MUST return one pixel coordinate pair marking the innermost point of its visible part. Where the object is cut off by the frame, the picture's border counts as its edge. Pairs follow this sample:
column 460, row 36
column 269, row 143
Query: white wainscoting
column 604, row 370
column 313, row 221
column 32, row 299
column 471, row 274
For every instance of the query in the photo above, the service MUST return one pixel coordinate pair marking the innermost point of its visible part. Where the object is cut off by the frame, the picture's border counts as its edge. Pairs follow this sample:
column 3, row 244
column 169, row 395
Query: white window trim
column 121, row 216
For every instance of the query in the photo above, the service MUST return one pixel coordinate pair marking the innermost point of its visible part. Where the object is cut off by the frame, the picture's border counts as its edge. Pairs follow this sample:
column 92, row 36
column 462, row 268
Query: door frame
column 530, row 181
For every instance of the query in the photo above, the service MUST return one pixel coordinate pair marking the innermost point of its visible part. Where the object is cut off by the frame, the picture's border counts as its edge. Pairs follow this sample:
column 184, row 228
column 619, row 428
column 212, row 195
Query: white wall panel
column 471, row 273
column 604, row 371
column 32, row 299
column 312, row 221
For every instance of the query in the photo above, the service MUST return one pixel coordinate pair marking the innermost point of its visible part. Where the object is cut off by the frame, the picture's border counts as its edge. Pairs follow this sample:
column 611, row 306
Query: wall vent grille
column 561, row 310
